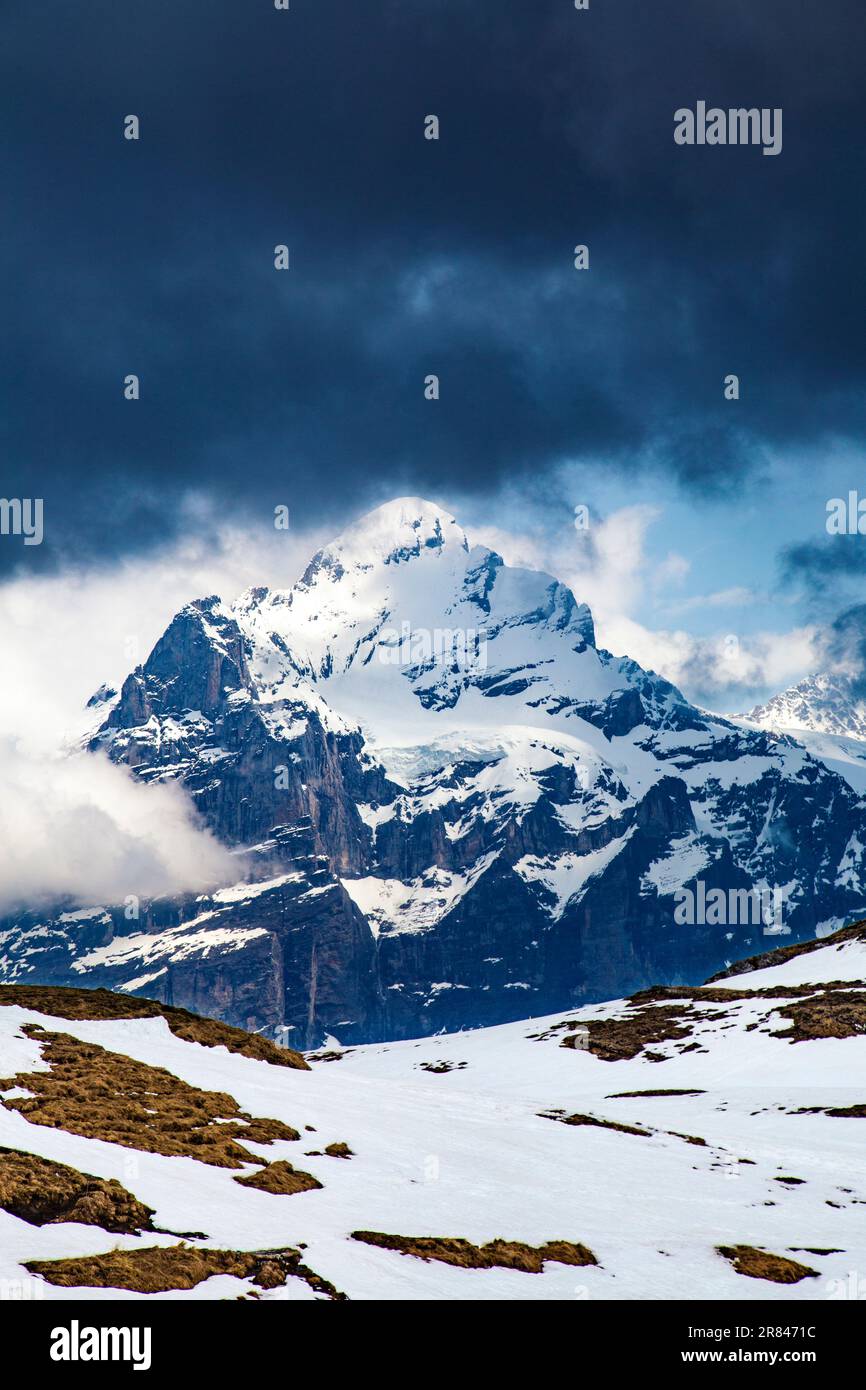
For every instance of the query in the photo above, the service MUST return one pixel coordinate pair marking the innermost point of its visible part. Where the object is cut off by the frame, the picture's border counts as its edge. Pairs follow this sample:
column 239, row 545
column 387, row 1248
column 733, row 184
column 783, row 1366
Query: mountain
column 824, row 704
column 447, row 805
column 712, row 1135
column 826, row 712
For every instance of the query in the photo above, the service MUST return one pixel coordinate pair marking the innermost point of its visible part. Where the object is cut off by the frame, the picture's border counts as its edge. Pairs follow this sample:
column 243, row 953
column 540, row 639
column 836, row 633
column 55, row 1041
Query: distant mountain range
column 825, row 712
column 447, row 805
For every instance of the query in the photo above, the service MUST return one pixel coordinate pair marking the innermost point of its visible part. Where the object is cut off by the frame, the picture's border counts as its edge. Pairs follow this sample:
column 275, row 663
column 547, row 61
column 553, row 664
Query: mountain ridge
column 447, row 805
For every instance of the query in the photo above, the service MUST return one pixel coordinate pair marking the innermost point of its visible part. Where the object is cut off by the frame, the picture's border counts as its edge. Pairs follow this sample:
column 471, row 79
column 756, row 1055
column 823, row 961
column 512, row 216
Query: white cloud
column 722, row 598
column 63, row 635
column 81, row 827
column 605, row 565
column 720, row 667
column 608, row 567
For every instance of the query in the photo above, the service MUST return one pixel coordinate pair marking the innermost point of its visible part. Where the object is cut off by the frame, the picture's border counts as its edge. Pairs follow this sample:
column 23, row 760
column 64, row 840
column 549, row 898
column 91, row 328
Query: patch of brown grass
column 165, row 1268
column 99, row 1004
column 829, row 1014
column 847, row 1112
column 662, row 994
column 707, row 994
column 501, row 1254
column 281, row 1179
column 105, row 1095
column 339, row 1150
column 634, row 1095
column 817, row 1249
column 42, row 1192
column 260, row 1130
column 596, row 1123
column 618, row 1039
column 760, row 1264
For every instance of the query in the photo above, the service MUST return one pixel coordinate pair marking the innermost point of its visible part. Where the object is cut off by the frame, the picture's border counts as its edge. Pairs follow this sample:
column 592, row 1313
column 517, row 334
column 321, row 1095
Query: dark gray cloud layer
column 411, row 257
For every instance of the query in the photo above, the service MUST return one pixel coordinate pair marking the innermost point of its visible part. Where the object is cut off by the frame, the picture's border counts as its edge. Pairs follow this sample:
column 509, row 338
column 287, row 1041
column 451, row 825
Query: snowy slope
column 477, row 1151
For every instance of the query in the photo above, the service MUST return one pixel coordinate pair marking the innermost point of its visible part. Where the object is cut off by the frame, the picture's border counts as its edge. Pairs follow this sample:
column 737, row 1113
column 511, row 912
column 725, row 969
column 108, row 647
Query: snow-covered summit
column 826, row 712
column 417, row 616
column 392, row 533
column 823, row 703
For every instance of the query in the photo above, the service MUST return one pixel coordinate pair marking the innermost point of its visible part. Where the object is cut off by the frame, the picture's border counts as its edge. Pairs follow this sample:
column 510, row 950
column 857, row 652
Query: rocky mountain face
column 826, row 712
column 448, row 806
column 825, row 703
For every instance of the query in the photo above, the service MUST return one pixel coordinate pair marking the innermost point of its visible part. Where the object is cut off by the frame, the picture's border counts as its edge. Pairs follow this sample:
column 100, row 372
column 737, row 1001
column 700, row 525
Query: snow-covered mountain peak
column 396, row 532
column 402, row 601
column 826, row 713
column 825, row 703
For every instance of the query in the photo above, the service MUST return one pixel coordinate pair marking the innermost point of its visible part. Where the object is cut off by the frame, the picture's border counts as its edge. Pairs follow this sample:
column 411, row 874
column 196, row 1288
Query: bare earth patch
column 163, row 1268
column 596, row 1123
column 501, row 1254
column 633, row 1095
column 618, row 1039
column 833, row 1010
column 280, row 1178
column 42, row 1192
column 711, row 994
column 760, row 1264
column 105, row 1095
column 817, row 1250
column 828, row 1014
column 97, row 1004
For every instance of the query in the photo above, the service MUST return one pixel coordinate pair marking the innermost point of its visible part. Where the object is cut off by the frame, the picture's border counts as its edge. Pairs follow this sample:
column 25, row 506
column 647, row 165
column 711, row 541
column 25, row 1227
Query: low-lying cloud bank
column 81, row 828
column 78, row 826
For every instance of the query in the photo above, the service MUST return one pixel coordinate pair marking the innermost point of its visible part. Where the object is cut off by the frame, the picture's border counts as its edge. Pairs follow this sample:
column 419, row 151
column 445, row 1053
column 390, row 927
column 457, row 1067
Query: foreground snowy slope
column 745, row 1136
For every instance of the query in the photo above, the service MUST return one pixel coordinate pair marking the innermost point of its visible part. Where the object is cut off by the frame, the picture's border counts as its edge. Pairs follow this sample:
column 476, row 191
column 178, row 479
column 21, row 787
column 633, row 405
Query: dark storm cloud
column 842, row 647
column 822, row 568
column 412, row 257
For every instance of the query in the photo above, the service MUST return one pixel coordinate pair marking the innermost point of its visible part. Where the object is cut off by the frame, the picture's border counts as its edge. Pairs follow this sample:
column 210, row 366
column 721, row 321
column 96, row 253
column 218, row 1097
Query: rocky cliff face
column 448, row 807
